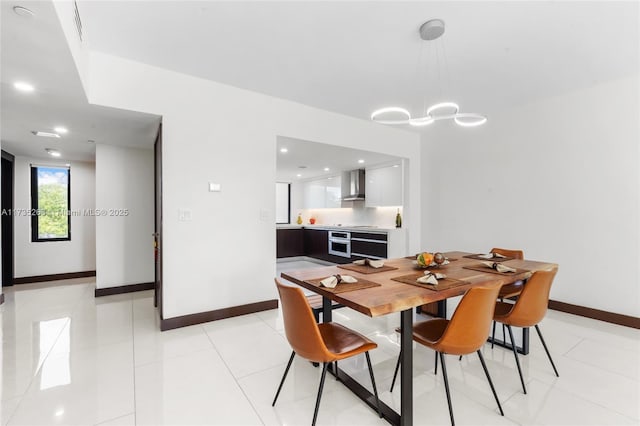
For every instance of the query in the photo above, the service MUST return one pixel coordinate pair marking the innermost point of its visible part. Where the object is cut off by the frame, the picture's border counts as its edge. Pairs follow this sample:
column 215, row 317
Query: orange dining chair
column 326, row 342
column 508, row 290
column 513, row 289
column 464, row 333
column 529, row 310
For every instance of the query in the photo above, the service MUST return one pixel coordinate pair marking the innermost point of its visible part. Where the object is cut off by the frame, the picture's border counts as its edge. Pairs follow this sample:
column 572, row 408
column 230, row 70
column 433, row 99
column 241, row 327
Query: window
column 50, row 204
column 283, row 202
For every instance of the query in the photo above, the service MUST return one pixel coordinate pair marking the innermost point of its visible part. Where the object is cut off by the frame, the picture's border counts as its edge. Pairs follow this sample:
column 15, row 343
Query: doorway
column 157, row 235
column 6, row 236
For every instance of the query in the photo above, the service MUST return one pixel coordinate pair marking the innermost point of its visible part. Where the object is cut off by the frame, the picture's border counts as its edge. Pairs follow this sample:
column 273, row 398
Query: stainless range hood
column 356, row 186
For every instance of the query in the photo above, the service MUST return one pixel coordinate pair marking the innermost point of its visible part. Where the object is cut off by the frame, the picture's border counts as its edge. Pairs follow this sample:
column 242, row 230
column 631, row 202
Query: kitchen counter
column 289, row 226
column 350, row 228
column 296, row 240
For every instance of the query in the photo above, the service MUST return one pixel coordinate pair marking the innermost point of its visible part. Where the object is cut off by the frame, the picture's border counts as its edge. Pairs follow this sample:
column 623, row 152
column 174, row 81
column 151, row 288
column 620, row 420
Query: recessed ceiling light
column 360, row 161
column 284, row 150
column 23, row 11
column 52, row 152
column 60, row 129
column 298, row 175
column 396, row 165
column 45, row 134
column 23, row 86
column 326, row 169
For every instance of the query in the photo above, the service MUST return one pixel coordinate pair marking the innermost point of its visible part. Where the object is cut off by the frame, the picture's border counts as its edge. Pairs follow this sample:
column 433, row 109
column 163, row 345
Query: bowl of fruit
column 424, row 260
column 429, row 260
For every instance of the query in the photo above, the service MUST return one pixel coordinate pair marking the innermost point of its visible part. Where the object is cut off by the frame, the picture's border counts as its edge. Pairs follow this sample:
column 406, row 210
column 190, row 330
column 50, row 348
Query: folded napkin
column 369, row 262
column 431, row 278
column 499, row 267
column 492, row 256
column 334, row 280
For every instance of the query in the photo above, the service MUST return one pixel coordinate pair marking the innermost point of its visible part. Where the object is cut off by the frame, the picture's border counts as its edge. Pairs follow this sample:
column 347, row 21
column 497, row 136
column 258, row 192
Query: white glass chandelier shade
column 470, row 119
column 429, row 31
column 394, row 115
column 443, row 106
column 422, row 121
column 398, row 116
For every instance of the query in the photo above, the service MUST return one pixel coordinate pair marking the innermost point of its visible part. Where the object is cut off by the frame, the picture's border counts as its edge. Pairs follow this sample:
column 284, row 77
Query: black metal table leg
column 388, row 413
column 406, row 409
column 326, row 310
column 524, row 349
column 406, row 371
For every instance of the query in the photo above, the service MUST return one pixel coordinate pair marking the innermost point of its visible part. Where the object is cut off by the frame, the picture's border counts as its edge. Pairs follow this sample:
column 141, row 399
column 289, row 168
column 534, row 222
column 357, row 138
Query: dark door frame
column 157, row 235
column 7, row 236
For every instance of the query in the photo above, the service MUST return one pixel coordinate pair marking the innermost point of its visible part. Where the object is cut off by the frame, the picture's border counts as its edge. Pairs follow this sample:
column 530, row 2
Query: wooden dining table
column 387, row 295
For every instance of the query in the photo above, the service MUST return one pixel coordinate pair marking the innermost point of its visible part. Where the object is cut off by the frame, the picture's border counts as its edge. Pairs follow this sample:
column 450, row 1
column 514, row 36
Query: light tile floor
column 69, row 358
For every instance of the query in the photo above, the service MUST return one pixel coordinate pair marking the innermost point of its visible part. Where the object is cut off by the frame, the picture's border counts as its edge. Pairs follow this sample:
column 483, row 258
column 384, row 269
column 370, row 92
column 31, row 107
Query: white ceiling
column 35, row 50
column 309, row 159
column 347, row 57
column 354, row 57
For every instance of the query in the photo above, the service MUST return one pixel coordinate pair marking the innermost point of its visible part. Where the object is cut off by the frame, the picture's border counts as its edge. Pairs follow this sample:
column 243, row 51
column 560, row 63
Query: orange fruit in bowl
column 425, row 259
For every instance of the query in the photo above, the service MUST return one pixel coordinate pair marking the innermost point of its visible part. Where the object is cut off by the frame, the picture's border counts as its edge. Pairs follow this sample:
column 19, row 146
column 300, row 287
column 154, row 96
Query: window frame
column 288, row 222
column 35, row 235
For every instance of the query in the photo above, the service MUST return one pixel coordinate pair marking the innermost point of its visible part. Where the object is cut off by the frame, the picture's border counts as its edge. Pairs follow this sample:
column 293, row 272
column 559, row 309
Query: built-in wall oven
column 340, row 243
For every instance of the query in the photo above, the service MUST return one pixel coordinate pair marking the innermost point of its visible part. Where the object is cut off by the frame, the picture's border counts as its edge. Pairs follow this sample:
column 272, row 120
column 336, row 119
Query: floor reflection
column 56, row 370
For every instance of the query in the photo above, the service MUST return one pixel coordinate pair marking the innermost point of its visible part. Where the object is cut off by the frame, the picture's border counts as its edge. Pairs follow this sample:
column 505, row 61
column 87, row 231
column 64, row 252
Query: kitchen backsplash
column 384, row 217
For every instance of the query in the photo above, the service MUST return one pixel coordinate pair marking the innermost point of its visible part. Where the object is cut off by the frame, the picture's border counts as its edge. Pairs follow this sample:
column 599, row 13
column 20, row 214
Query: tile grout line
column 133, row 358
column 268, row 325
column 580, row 397
column 215, row 348
column 114, row 418
column 277, row 333
column 35, row 374
column 582, row 339
column 571, row 359
column 168, row 358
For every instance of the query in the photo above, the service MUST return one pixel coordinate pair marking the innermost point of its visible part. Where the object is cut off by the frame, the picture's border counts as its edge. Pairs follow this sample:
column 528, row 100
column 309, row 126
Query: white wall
column 124, row 243
column 558, row 179
column 55, row 257
column 79, row 51
column 225, row 256
column 1, row 236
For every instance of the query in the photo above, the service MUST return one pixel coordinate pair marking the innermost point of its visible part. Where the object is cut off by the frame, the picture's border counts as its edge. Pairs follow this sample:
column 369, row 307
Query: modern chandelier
column 429, row 31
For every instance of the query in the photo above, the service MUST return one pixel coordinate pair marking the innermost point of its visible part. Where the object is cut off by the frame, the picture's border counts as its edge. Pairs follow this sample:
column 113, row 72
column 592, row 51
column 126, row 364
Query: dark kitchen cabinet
column 316, row 245
column 289, row 243
column 368, row 244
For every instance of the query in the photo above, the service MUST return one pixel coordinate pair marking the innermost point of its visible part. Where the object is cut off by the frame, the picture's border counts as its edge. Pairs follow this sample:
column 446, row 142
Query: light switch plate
column 184, row 215
column 215, row 187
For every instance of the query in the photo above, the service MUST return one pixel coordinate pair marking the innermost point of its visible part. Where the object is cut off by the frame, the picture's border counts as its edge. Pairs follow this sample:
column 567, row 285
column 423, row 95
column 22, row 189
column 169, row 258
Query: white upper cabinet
column 323, row 193
column 384, row 186
column 333, row 192
column 313, row 194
